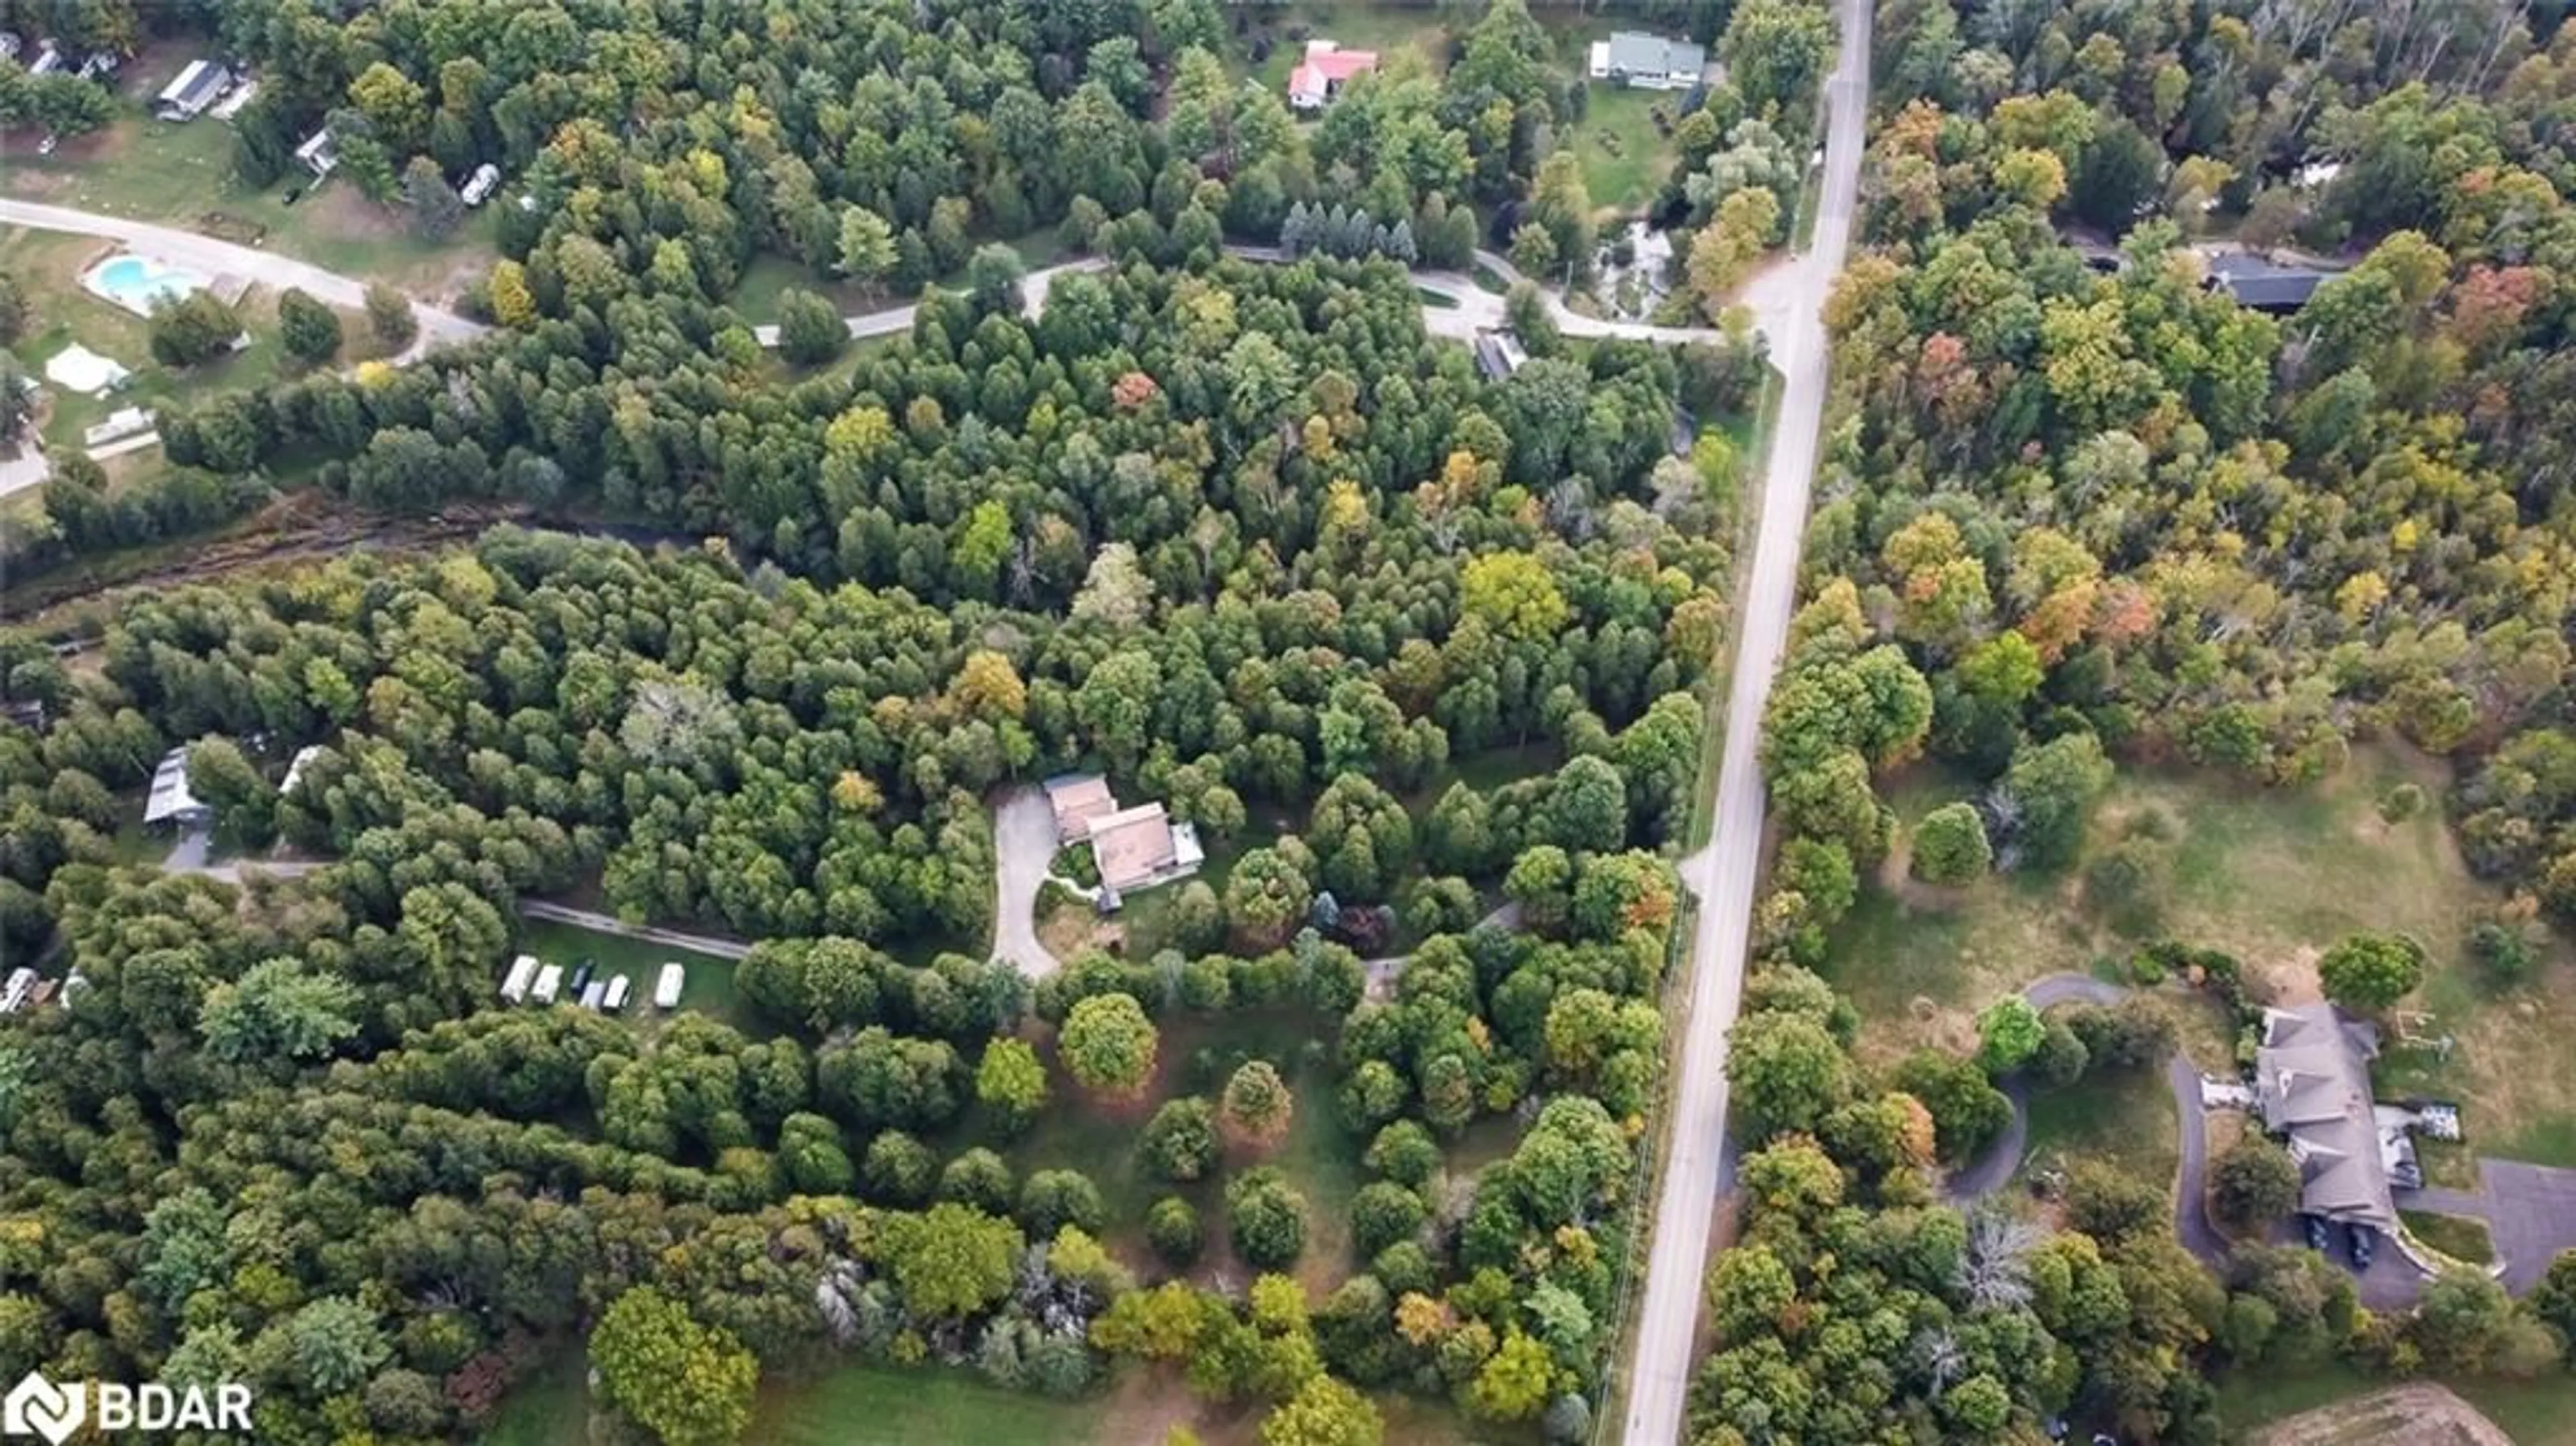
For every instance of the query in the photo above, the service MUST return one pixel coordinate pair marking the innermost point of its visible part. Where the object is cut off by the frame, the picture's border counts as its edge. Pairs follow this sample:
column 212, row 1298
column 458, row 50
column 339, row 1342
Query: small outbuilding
column 318, row 153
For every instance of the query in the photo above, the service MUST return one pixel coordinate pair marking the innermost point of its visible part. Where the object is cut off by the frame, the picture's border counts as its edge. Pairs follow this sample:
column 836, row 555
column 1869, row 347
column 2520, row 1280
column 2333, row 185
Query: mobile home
column 523, row 972
column 549, row 982
column 616, row 1000
column 666, row 990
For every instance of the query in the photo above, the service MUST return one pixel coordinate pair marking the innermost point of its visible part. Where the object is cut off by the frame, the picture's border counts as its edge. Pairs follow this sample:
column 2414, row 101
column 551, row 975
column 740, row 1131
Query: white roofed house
column 1647, row 62
column 197, row 87
column 170, row 801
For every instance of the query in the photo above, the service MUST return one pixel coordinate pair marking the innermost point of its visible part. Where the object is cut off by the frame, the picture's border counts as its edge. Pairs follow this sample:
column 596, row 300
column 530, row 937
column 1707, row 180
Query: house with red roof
column 1325, row 70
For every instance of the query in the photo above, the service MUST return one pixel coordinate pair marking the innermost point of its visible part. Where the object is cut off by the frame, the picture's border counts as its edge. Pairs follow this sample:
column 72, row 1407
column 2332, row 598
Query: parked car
column 2318, row 1240
column 2363, row 1240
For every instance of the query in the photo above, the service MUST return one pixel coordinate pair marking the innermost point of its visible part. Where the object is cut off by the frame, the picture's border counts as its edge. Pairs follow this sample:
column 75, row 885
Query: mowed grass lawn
column 181, row 175
column 1386, row 29
column 1625, row 155
column 49, row 265
column 709, row 987
column 2274, row 876
column 2125, row 1117
column 2540, row 1412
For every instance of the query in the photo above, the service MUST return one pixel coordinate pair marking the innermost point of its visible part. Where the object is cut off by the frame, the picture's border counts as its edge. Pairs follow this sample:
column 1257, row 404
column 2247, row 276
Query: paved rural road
column 205, row 253
column 894, row 319
column 1695, row 1155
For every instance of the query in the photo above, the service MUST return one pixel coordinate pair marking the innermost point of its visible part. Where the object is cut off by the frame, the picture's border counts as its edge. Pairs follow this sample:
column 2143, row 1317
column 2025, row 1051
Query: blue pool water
column 135, row 284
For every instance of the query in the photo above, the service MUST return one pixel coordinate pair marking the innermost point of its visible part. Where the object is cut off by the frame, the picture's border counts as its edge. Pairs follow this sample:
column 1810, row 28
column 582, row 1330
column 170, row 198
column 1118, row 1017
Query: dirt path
column 2419, row 1415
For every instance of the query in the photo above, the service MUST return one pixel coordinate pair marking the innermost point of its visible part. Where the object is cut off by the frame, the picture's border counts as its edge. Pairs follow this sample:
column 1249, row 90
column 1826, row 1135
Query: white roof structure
column 170, row 798
column 666, row 989
column 196, row 88
column 549, row 980
column 478, row 187
column 616, row 999
column 295, row 767
column 122, row 423
column 79, row 369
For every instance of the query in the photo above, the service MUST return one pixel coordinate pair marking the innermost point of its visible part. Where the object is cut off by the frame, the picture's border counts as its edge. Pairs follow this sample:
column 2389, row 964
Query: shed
column 318, row 153
column 295, row 766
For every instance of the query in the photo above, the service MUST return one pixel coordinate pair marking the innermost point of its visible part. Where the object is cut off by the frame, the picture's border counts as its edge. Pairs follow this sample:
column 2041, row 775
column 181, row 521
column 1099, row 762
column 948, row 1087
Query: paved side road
column 207, row 254
column 898, row 319
column 611, row 924
column 1697, row 1160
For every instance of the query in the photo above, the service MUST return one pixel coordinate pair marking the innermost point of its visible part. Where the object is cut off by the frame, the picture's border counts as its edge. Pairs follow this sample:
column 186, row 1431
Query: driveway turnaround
column 1023, row 849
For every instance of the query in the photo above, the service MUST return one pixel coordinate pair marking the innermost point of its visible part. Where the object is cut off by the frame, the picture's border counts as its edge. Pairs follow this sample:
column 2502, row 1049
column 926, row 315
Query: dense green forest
column 1168, row 533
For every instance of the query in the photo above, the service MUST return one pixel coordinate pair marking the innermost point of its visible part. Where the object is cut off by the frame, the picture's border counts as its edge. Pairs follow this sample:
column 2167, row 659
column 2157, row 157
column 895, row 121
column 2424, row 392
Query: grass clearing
column 873, row 1405
column 2532, row 1413
column 709, row 987
column 1625, row 154
column 2125, row 1117
column 2456, row 1236
column 2273, row 876
column 1386, row 29
column 1319, row 1156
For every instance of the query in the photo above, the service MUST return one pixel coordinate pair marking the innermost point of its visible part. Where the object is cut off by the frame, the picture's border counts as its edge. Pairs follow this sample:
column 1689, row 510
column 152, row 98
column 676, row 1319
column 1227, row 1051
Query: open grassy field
column 1625, row 155
column 2460, row 1238
column 1319, row 1157
column 181, row 175
column 2273, row 876
column 708, row 990
column 1386, row 29
column 2532, row 1413
column 2124, row 1117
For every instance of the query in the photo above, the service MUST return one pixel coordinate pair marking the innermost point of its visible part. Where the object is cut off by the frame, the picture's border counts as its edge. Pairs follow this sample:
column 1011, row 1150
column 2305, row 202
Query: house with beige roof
column 1139, row 847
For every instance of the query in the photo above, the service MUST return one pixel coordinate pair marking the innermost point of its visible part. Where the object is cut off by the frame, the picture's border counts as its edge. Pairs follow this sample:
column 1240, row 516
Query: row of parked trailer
column 529, row 979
